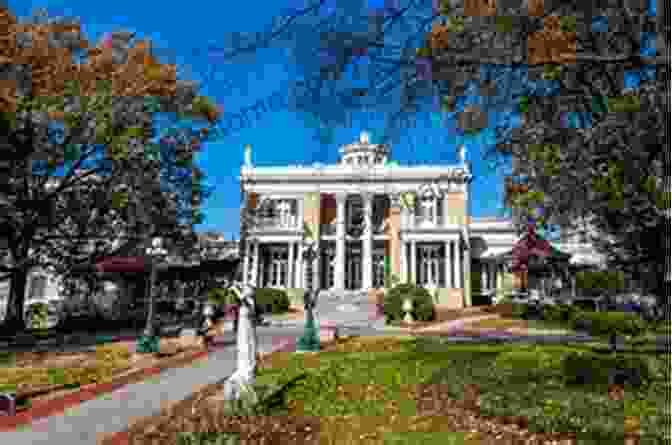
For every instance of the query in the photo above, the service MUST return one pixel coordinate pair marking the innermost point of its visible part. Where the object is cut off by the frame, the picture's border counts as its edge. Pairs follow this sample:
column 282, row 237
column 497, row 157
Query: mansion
column 372, row 220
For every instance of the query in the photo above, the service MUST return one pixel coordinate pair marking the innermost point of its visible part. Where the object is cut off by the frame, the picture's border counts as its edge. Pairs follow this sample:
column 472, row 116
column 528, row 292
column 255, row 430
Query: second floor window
column 427, row 210
column 283, row 213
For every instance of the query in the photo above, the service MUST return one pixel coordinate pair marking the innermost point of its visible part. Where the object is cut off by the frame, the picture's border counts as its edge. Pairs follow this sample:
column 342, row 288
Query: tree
column 76, row 148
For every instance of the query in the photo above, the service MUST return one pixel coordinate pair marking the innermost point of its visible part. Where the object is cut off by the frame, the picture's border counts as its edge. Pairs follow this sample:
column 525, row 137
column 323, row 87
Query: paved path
column 83, row 423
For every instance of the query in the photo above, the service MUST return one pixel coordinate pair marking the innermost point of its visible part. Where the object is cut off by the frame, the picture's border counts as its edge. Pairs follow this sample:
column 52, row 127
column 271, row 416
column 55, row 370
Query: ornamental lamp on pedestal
column 310, row 340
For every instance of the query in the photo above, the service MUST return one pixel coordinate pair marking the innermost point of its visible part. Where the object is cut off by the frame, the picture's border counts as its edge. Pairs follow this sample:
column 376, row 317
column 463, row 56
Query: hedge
column 608, row 323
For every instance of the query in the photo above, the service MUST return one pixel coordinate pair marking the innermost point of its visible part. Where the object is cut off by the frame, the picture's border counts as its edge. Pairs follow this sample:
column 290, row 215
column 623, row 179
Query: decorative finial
column 462, row 153
column 248, row 155
column 364, row 137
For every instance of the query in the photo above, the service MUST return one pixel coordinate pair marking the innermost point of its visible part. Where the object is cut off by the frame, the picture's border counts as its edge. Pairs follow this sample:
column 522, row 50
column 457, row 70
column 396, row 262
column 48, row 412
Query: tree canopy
column 84, row 174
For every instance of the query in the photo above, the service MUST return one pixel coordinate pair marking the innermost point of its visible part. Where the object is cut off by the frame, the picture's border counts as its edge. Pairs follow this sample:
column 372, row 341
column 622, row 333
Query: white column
column 339, row 270
column 445, row 210
column 466, row 274
column 404, row 260
column 316, row 267
column 493, row 275
column 246, row 263
column 457, row 281
column 484, row 276
column 446, row 265
column 414, row 264
column 367, row 243
column 299, row 268
column 435, row 213
column 290, row 265
column 255, row 268
column 299, row 211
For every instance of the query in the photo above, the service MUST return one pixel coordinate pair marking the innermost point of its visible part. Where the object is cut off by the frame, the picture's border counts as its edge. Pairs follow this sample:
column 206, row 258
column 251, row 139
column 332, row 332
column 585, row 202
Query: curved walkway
column 111, row 413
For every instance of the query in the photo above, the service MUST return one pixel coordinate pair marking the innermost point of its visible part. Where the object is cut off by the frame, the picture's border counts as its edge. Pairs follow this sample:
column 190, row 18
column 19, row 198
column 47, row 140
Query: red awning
column 123, row 264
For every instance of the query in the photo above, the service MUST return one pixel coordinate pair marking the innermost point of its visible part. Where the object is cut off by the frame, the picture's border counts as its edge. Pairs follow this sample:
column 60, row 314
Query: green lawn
column 371, row 391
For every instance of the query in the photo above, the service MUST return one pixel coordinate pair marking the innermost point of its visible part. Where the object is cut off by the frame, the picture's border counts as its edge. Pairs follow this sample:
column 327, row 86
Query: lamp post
column 310, row 340
column 147, row 342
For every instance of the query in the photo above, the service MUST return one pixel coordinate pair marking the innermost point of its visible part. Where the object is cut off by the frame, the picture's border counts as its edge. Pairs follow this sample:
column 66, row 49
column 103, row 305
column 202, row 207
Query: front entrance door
column 353, row 269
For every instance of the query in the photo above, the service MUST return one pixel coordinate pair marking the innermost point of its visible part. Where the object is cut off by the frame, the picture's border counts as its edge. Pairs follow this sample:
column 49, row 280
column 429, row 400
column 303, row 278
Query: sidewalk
column 81, row 425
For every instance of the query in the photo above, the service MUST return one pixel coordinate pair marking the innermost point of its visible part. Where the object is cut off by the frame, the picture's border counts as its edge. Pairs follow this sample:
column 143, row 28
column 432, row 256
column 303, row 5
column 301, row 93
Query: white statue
column 246, row 365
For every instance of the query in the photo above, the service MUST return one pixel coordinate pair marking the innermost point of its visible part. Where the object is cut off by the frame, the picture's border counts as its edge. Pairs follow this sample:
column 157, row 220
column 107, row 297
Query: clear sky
column 182, row 33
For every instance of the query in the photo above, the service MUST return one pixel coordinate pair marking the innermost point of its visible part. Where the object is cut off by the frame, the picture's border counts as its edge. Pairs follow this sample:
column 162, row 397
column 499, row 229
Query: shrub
column 590, row 368
column 423, row 307
column 221, row 295
column 273, row 301
column 608, row 323
column 558, row 313
column 523, row 365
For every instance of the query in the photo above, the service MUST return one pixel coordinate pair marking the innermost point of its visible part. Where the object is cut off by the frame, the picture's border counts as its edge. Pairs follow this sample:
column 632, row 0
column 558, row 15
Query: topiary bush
column 271, row 301
column 607, row 323
column 423, row 306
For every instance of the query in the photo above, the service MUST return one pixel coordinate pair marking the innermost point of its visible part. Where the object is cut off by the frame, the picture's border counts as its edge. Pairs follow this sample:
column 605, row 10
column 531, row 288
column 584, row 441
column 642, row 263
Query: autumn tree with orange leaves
column 82, row 176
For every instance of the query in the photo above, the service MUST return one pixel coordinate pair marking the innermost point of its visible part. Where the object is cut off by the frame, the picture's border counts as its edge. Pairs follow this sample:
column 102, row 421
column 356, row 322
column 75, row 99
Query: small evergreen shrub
column 423, row 307
column 272, row 301
column 590, row 369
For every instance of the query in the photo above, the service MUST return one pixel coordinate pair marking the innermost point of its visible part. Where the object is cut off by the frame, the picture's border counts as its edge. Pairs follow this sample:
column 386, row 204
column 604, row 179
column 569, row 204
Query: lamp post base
column 310, row 340
column 147, row 344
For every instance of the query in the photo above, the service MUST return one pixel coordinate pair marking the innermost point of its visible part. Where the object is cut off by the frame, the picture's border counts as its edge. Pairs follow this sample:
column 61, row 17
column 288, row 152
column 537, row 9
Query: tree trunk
column 14, row 321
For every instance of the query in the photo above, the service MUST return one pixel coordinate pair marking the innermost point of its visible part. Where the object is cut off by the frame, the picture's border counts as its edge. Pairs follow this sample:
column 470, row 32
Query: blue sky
column 182, row 34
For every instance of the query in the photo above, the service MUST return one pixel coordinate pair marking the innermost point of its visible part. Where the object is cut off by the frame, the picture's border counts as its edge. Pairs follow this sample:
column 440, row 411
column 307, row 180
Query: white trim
column 431, row 237
column 282, row 187
column 493, row 252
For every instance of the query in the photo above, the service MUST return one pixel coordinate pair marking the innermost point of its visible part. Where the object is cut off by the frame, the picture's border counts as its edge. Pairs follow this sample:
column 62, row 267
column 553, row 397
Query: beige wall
column 457, row 208
column 451, row 298
column 311, row 212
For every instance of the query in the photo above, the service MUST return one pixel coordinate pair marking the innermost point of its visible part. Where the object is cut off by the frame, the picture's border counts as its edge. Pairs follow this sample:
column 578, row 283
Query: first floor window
column 278, row 269
column 429, row 267
column 379, row 271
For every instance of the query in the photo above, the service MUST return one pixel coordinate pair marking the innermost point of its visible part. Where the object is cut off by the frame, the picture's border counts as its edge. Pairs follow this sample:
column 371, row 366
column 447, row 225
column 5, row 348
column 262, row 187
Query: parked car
column 645, row 305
